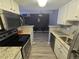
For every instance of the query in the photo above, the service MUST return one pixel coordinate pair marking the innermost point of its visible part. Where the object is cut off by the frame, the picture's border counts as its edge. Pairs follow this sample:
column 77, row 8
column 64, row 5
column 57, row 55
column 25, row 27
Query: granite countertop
column 25, row 30
column 9, row 52
column 11, row 47
column 60, row 39
column 62, row 31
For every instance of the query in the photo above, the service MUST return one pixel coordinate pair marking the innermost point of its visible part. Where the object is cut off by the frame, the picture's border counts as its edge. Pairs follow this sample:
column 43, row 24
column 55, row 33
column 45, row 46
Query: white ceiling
column 52, row 4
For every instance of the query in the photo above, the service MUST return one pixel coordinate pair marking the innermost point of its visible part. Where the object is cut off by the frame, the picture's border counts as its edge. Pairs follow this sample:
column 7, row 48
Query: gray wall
column 53, row 17
column 27, row 10
column 53, row 14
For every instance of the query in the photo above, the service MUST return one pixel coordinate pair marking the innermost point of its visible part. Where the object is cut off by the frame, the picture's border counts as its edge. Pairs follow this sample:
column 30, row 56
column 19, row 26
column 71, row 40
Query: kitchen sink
column 66, row 40
column 64, row 37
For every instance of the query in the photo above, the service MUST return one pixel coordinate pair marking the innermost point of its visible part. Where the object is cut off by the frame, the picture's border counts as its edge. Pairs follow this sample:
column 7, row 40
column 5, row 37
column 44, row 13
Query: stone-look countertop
column 25, row 30
column 58, row 29
column 9, row 52
column 54, row 32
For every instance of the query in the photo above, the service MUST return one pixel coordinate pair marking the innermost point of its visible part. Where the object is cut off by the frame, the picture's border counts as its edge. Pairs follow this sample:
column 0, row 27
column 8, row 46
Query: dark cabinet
column 52, row 41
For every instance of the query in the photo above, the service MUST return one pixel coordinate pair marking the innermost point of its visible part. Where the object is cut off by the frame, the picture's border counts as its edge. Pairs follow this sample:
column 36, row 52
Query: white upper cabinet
column 69, row 11
column 9, row 5
column 72, row 10
column 60, row 16
column 77, row 9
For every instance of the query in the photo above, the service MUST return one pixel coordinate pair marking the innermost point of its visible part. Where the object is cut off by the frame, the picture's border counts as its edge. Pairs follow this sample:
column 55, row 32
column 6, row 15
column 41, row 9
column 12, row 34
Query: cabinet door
column 65, row 13
column 63, row 47
column 72, row 10
column 5, row 5
column 60, row 50
column 60, row 16
column 63, row 51
column 57, row 50
column 77, row 9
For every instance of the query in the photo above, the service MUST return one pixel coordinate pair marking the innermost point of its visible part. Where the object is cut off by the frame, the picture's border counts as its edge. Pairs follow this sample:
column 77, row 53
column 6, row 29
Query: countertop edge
column 57, row 36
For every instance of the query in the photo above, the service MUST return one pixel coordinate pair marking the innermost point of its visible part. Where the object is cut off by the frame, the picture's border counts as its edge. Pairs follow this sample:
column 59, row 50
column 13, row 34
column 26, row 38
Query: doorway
column 40, row 21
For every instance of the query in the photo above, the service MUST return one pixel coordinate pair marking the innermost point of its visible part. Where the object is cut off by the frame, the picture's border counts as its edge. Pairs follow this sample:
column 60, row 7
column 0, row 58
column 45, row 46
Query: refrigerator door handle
column 75, row 52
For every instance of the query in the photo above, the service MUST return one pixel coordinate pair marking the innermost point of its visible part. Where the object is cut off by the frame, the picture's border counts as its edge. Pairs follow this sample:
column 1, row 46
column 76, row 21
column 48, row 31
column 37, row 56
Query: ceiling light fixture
column 42, row 3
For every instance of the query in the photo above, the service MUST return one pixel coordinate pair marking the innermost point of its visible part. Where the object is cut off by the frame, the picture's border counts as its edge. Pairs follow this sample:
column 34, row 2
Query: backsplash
column 71, row 29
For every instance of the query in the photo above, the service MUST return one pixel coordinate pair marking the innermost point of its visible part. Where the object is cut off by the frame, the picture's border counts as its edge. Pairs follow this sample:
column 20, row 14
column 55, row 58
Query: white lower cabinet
column 57, row 52
column 60, row 50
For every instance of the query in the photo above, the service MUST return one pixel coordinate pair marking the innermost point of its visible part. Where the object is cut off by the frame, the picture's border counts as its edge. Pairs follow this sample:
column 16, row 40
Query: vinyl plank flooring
column 41, row 50
column 40, row 47
column 41, row 36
